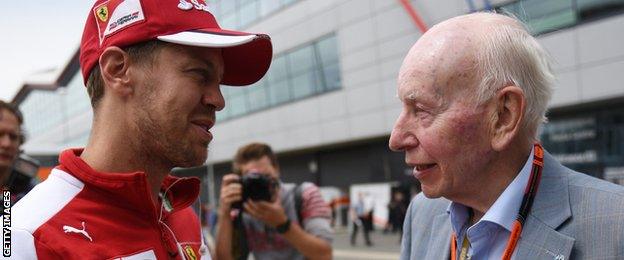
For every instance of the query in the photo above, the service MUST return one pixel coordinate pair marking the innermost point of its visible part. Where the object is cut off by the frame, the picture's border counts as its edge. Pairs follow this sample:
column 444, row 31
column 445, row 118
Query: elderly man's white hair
column 508, row 54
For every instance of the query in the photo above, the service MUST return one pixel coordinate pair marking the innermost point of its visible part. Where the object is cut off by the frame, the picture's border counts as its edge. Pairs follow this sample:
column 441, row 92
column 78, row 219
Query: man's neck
column 500, row 174
column 119, row 153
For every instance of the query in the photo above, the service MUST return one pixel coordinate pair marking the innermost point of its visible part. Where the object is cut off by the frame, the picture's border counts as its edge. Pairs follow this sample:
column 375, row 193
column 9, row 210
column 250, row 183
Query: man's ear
column 114, row 66
column 508, row 116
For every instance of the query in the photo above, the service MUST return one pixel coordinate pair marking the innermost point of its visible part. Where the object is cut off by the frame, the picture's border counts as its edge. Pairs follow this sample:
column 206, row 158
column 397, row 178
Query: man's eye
column 200, row 74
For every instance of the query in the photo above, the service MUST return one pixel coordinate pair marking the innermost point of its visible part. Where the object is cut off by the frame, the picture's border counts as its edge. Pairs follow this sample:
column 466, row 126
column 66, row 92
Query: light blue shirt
column 488, row 237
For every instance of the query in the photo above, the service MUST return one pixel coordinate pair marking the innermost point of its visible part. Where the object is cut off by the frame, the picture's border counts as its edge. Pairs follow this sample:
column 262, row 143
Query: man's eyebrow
column 210, row 65
column 410, row 95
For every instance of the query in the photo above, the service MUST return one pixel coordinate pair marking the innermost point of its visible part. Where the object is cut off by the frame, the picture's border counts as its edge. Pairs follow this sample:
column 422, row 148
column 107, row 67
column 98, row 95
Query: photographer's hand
column 271, row 213
column 231, row 191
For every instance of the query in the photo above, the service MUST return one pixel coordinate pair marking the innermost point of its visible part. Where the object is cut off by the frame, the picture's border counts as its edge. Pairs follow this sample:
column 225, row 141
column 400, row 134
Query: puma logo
column 83, row 231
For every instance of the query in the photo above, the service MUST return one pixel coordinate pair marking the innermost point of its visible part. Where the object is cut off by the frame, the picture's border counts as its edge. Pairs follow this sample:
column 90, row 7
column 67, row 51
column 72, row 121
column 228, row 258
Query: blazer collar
column 540, row 238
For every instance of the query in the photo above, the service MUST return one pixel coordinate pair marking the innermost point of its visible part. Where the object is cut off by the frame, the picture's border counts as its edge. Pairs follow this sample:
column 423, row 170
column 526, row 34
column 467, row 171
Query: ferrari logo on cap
column 190, row 254
column 186, row 5
column 102, row 13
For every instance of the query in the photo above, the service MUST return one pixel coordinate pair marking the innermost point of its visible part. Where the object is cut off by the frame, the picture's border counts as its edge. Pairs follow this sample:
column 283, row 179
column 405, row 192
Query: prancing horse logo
column 82, row 231
column 102, row 13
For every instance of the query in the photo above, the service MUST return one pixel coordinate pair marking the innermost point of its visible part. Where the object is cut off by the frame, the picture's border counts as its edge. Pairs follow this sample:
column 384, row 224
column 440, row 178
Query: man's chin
column 431, row 194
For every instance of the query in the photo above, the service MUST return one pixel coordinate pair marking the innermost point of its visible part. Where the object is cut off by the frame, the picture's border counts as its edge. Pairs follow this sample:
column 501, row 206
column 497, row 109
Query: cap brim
column 246, row 57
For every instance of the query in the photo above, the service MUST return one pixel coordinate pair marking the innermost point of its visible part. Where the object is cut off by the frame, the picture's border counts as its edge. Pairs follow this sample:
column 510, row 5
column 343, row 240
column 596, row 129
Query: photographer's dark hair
column 252, row 152
column 16, row 112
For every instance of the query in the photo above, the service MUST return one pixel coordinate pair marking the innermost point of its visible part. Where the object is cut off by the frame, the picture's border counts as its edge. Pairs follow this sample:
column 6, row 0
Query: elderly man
column 152, row 70
column 474, row 91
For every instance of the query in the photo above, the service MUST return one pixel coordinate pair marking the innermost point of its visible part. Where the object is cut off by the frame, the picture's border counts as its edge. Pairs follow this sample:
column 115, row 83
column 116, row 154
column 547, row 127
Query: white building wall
column 589, row 61
column 373, row 37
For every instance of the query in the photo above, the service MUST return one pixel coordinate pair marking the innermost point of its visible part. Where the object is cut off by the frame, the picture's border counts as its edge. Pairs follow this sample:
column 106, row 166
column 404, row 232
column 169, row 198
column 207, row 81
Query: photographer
column 292, row 223
column 17, row 182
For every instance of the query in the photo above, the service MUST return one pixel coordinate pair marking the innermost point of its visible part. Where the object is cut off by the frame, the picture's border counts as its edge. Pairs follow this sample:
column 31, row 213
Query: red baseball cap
column 122, row 23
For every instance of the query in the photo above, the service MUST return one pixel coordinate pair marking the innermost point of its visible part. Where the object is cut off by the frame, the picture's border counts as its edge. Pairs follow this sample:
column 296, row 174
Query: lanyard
column 527, row 201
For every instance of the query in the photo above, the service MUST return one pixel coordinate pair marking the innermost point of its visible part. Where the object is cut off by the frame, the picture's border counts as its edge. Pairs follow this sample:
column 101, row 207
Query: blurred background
column 328, row 102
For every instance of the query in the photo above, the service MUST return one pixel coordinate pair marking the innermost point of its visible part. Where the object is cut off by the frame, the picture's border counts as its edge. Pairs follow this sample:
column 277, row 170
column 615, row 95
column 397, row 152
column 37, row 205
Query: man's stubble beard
column 164, row 141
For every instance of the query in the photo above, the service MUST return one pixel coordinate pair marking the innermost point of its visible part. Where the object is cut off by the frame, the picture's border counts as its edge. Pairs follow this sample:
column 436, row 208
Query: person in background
column 277, row 229
column 13, row 178
column 153, row 70
column 361, row 216
column 474, row 91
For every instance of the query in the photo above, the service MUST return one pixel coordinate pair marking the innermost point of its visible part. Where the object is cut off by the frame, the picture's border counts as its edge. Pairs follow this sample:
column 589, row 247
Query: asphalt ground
column 385, row 246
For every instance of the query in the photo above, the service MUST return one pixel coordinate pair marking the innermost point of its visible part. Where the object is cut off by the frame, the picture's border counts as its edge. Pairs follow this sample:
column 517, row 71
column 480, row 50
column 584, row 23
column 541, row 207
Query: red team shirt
column 79, row 213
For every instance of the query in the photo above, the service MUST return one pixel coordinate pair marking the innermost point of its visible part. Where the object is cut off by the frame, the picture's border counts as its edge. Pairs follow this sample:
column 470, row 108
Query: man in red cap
column 153, row 71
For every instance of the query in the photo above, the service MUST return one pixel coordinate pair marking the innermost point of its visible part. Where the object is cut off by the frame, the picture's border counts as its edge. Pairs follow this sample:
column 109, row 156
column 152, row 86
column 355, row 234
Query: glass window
column 227, row 6
column 229, row 21
column 278, row 70
column 244, row 12
column 248, row 12
column 223, row 114
column 328, row 50
column 280, row 92
column 546, row 16
column 302, row 60
column 302, row 72
column 238, row 105
column 305, row 84
column 267, row 7
column 77, row 99
column 331, row 74
column 258, row 96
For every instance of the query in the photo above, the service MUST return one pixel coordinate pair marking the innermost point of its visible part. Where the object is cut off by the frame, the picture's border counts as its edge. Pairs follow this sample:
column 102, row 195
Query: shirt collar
column 504, row 210
column 130, row 188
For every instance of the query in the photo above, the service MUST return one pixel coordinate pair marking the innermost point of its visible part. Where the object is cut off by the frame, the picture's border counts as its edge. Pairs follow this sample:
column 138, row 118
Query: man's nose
column 213, row 97
column 5, row 141
column 401, row 137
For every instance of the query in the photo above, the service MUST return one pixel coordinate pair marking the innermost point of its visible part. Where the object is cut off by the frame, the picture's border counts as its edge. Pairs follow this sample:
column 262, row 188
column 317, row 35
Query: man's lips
column 203, row 126
column 422, row 167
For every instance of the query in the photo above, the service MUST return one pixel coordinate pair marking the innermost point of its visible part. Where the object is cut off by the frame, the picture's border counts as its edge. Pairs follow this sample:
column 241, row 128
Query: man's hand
column 271, row 213
column 231, row 191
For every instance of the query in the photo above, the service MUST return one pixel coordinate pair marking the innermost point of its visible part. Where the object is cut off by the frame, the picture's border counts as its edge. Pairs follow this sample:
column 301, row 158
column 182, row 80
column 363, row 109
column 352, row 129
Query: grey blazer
column 574, row 216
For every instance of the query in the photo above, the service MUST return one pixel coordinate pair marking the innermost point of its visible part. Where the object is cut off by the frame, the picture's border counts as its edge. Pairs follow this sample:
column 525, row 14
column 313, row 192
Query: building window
column 591, row 141
column 302, row 72
column 237, row 14
column 547, row 16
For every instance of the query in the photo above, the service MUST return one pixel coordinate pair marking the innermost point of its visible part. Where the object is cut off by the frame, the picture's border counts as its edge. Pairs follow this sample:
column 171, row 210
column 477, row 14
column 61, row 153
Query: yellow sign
column 102, row 13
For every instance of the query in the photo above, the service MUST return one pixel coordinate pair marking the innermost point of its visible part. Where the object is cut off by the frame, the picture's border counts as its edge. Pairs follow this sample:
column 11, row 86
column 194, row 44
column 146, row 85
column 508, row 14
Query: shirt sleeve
column 316, row 213
column 22, row 245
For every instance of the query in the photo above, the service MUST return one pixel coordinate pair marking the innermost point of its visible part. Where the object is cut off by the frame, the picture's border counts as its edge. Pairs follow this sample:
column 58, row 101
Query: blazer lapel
column 551, row 208
column 441, row 235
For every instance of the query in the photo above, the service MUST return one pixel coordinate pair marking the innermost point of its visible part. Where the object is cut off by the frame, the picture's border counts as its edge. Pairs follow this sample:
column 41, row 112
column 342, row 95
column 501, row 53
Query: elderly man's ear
column 509, row 104
column 115, row 68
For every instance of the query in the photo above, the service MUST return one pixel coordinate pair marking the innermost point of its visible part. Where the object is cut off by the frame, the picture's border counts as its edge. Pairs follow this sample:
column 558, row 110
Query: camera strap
column 299, row 203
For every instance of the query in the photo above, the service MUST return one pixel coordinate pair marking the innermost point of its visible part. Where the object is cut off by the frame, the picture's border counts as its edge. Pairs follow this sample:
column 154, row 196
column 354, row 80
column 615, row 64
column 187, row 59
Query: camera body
column 258, row 186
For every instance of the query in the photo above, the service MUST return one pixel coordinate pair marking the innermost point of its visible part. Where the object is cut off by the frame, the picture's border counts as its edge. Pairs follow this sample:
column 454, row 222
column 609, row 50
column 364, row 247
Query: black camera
column 22, row 175
column 258, row 186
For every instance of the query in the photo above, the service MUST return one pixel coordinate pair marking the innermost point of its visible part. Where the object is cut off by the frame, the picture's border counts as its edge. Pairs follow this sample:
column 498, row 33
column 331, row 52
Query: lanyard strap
column 527, row 201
